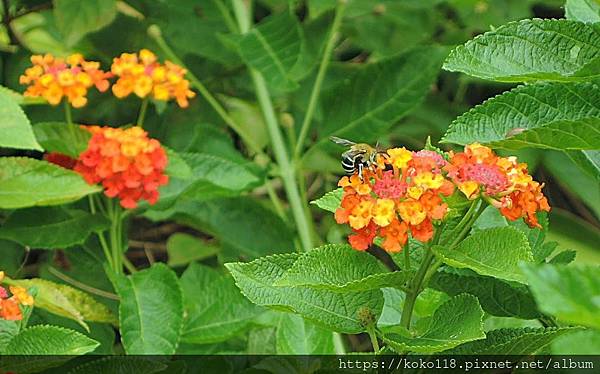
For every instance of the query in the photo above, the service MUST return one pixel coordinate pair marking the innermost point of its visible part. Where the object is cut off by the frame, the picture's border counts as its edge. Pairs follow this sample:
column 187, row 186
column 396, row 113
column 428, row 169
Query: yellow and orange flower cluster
column 404, row 193
column 56, row 78
column 128, row 163
column 9, row 306
column 143, row 75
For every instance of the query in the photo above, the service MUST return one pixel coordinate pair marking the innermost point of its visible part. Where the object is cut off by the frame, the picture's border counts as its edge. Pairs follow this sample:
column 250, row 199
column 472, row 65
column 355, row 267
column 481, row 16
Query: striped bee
column 358, row 157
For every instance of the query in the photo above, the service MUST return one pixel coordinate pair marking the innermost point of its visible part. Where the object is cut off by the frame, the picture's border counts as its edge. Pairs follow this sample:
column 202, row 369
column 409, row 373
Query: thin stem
column 468, row 220
column 81, row 285
column 275, row 200
column 406, row 258
column 69, row 118
column 316, row 90
column 105, row 249
column 155, row 33
column 411, row 296
column 373, row 337
column 142, row 113
column 130, row 267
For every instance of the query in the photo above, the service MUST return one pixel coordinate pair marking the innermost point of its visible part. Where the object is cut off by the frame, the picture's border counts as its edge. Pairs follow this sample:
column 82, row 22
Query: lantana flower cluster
column 405, row 193
column 144, row 76
column 128, row 164
column 10, row 309
column 54, row 78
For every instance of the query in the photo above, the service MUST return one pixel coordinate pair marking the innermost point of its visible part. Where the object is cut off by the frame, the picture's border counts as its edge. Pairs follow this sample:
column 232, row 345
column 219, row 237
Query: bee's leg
column 360, row 171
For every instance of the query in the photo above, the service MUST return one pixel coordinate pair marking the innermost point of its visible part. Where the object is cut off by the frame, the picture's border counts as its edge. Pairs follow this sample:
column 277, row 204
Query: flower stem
column 411, row 296
column 69, row 118
column 373, row 337
column 142, row 113
column 316, row 90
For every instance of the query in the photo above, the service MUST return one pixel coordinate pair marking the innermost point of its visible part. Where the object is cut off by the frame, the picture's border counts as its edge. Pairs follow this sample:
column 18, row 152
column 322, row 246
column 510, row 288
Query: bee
column 358, row 157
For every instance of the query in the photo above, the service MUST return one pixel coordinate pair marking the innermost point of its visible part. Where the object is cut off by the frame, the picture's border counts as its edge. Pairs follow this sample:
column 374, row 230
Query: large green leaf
column 51, row 227
column 583, row 10
column 76, row 18
column 577, row 343
column 340, row 268
column 276, row 48
column 297, row 336
column 497, row 297
column 338, row 311
column 26, row 182
column 184, row 248
column 215, row 309
column 370, row 99
column 587, row 161
column 8, row 330
column 457, row 321
column 511, row 341
column 582, row 134
column 330, row 201
column 531, row 50
column 49, row 340
column 524, row 108
column 494, row 252
column 151, row 310
column 15, row 129
column 59, row 137
column 572, row 294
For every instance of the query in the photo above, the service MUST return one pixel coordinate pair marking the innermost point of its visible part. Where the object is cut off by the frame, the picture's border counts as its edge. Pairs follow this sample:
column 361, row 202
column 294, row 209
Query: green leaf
column 296, row 336
column 26, row 182
column 215, row 309
column 531, row 50
column 15, row 129
column 524, row 108
column 372, row 98
column 582, row 134
column 587, row 161
column 571, row 294
column 67, row 301
column 50, row 340
column 497, row 297
column 577, row 343
column 330, row 201
column 184, row 248
column 583, row 10
column 76, row 18
column 335, row 310
column 51, row 227
column 8, row 330
column 121, row 364
column 340, row 268
column 59, row 137
column 494, row 252
column 275, row 47
column 564, row 257
column 151, row 310
column 457, row 321
column 511, row 341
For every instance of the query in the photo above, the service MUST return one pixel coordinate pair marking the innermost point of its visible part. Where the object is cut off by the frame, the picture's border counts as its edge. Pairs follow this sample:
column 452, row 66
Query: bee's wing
column 340, row 141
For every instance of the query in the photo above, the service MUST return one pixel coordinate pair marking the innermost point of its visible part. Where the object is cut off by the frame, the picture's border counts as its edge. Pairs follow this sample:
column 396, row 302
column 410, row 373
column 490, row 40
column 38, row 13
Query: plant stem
column 411, row 296
column 81, row 285
column 155, row 33
column 69, row 118
column 406, row 259
column 277, row 142
column 100, row 235
column 142, row 113
column 373, row 337
column 316, row 90
column 130, row 267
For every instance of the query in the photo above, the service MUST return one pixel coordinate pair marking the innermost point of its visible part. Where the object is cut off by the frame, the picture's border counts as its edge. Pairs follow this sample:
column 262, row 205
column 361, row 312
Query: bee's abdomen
column 348, row 163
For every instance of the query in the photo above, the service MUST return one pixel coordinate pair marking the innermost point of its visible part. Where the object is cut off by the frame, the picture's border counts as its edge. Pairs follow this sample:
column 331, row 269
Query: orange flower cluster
column 54, row 78
column 143, row 75
column 392, row 203
column 127, row 162
column 404, row 193
column 9, row 306
column 502, row 181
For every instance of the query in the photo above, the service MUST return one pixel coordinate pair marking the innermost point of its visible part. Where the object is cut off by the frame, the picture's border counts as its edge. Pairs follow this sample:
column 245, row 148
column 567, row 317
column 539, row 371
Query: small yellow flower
column 361, row 215
column 21, row 294
column 399, row 157
column 383, row 212
column 429, row 180
column 412, row 212
column 470, row 189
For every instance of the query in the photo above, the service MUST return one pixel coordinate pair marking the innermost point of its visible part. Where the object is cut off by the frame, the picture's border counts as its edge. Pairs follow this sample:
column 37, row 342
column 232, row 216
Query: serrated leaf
column 26, row 182
column 511, row 341
column 184, row 248
column 583, row 10
column 76, row 18
column 457, row 321
column 297, row 336
column 59, row 137
column 8, row 330
column 564, row 257
column 494, row 252
column 524, row 108
column 52, row 227
column 50, row 340
column 215, row 309
column 330, row 201
column 121, row 364
column 571, row 294
column 15, row 129
column 577, row 343
column 338, row 311
column 67, row 301
column 151, row 310
column 275, row 47
column 372, row 98
column 583, row 134
column 340, row 268
column 497, row 297
column 531, row 50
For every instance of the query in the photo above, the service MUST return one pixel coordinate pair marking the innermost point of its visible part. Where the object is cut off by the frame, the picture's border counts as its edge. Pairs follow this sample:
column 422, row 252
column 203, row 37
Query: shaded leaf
column 59, row 137
column 121, row 364
column 583, row 10
column 77, row 18
column 330, row 201
column 296, row 336
column 15, row 129
column 184, row 248
column 577, row 343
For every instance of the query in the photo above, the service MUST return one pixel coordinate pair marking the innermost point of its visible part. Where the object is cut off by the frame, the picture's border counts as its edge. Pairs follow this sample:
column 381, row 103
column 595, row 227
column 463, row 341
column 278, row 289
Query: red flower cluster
column 9, row 306
column 129, row 165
